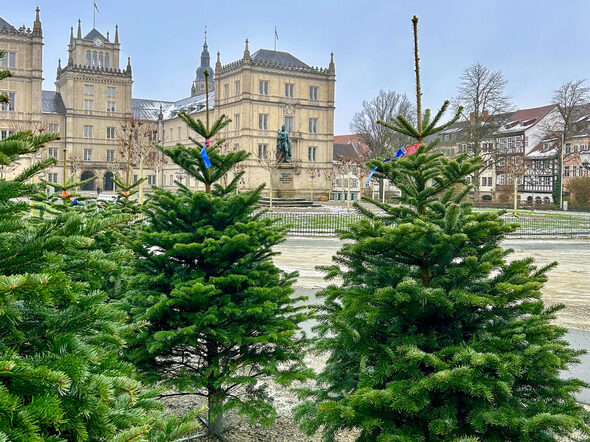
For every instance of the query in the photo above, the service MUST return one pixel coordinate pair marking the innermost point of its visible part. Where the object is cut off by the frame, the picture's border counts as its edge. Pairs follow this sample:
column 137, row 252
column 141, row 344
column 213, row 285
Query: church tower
column 96, row 95
column 198, row 86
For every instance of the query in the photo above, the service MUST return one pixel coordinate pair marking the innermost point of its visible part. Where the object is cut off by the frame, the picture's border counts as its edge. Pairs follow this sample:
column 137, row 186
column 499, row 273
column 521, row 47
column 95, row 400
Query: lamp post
column 585, row 158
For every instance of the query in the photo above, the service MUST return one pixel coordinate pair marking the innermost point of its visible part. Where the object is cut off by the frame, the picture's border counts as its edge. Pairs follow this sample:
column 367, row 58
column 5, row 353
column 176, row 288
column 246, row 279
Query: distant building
column 93, row 99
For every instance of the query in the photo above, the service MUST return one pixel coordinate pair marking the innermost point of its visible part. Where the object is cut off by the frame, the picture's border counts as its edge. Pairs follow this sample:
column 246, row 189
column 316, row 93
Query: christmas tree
column 433, row 335
column 215, row 315
column 61, row 377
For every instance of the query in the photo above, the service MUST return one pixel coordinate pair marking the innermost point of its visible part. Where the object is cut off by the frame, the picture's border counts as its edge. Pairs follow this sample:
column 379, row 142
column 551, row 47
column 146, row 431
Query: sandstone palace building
column 93, row 104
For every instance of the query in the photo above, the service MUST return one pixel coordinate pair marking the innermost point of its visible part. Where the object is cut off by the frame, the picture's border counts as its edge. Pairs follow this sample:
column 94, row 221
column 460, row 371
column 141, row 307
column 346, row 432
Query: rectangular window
column 263, row 121
column 52, row 152
column 87, row 154
column 88, row 105
column 11, row 102
column 110, row 106
column 110, row 156
column 87, row 131
column 151, row 179
column 53, row 128
column 225, row 90
column 8, row 60
column 237, row 122
column 52, row 177
column 566, row 171
column 568, row 147
column 237, row 87
column 313, row 93
column 111, row 92
column 110, row 133
column 263, row 87
column 3, row 134
column 312, row 152
column 288, row 124
column 289, row 90
column 313, row 125
column 262, row 150
column 135, row 178
column 88, row 89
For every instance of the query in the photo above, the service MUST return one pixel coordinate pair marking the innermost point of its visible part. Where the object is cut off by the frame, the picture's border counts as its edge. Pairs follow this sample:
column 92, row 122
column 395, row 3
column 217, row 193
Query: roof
column 539, row 152
column 52, row 103
column 4, row 25
column 278, row 58
column 145, row 109
column 345, row 152
column 93, row 34
column 353, row 139
column 524, row 119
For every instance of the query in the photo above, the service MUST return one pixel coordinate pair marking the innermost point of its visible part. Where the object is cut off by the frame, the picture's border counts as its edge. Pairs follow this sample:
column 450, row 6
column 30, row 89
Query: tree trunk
column 476, row 182
column 515, row 195
column 141, row 183
column 214, row 416
column 270, row 190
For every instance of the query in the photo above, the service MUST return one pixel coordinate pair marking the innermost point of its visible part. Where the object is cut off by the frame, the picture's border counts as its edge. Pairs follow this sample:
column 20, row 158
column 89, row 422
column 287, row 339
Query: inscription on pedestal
column 286, row 178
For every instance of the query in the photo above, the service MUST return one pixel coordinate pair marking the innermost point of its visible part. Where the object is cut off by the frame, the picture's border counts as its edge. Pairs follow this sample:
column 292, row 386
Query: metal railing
column 530, row 226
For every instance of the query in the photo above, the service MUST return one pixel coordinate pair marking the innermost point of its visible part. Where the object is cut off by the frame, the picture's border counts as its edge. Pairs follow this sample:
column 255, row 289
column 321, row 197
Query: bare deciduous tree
column 136, row 145
column 382, row 141
column 570, row 99
column 482, row 95
column 269, row 162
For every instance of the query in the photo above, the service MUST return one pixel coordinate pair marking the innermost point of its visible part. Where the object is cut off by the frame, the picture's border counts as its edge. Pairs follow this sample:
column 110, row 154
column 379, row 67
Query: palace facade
column 93, row 102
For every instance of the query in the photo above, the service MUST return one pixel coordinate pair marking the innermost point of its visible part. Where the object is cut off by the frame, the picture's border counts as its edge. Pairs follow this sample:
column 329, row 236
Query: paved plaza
column 569, row 282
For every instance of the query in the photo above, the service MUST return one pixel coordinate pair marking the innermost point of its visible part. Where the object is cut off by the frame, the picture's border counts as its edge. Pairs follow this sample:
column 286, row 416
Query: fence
column 530, row 226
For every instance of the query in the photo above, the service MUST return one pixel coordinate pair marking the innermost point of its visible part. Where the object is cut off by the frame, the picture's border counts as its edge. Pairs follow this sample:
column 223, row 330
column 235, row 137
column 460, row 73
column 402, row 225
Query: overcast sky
column 538, row 45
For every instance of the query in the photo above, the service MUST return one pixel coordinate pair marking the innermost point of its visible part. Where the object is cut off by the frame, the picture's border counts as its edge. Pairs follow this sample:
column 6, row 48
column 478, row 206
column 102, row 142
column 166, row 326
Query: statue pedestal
column 283, row 181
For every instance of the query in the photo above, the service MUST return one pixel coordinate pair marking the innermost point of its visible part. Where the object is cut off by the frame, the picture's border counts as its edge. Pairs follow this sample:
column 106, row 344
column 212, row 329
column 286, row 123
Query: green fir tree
column 432, row 334
column 216, row 316
column 61, row 374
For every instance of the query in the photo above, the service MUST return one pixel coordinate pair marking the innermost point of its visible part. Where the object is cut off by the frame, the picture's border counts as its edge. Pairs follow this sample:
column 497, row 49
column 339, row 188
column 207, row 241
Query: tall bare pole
column 418, row 89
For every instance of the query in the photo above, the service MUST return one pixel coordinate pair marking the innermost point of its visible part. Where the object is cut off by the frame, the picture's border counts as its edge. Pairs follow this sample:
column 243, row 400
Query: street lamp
column 585, row 158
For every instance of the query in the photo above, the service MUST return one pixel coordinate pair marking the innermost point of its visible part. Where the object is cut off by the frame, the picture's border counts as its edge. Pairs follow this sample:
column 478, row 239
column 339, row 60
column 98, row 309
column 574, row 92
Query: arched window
column 88, row 58
column 107, row 60
column 108, row 182
column 94, row 59
column 85, row 176
column 100, row 59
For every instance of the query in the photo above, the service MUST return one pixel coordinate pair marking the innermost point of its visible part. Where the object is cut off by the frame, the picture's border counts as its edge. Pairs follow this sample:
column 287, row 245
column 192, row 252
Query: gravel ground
column 239, row 429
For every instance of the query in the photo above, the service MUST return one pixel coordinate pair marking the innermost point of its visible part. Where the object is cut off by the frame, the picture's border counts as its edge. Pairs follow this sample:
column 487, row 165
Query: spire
column 129, row 64
column 331, row 67
column 116, row 33
column 71, row 35
column 161, row 114
column 37, row 23
column 218, row 63
column 205, row 57
column 107, row 35
column 247, row 52
column 79, row 29
column 58, row 66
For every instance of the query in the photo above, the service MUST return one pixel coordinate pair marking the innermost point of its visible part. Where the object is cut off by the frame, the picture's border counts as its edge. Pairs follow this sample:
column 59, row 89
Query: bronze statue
column 283, row 145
